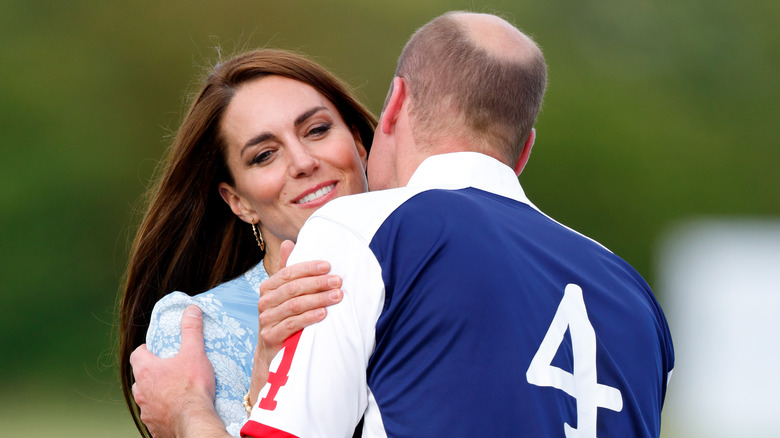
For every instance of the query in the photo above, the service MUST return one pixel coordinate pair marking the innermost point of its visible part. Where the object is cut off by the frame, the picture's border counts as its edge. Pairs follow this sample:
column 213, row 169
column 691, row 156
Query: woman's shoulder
column 232, row 304
column 245, row 287
column 163, row 336
column 229, row 326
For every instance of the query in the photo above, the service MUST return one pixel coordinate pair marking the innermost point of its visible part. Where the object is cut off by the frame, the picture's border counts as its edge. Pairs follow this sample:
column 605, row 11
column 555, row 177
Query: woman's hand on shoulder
column 292, row 299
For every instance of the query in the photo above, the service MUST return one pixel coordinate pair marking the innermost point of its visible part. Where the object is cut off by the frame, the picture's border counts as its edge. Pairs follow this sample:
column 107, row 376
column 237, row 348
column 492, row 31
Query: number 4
column 582, row 384
column 279, row 378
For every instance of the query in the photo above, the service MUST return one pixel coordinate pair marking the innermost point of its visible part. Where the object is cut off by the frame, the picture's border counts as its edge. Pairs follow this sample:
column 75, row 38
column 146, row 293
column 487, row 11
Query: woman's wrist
column 259, row 377
column 247, row 402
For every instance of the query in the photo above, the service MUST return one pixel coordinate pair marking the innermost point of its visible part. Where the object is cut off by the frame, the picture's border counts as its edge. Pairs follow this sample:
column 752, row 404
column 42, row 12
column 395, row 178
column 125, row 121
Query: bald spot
column 496, row 36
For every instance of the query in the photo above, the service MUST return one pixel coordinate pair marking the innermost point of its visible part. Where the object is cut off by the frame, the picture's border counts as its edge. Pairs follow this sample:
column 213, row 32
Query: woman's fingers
column 294, row 272
column 270, row 317
column 278, row 324
column 294, row 281
column 293, row 299
column 273, row 336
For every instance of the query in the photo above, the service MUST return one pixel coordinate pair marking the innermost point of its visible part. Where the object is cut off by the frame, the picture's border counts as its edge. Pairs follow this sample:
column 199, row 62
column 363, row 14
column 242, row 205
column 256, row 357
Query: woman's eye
column 262, row 157
column 319, row 129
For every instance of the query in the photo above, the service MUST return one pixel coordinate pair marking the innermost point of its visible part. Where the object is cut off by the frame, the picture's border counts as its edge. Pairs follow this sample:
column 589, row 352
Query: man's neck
column 450, row 144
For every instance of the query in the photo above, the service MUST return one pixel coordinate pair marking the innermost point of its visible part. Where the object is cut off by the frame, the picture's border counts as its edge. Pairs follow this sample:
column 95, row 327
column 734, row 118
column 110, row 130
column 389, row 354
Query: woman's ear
column 236, row 203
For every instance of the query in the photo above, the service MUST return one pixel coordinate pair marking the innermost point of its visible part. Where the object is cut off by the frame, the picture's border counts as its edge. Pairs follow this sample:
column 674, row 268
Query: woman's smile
column 317, row 194
column 289, row 153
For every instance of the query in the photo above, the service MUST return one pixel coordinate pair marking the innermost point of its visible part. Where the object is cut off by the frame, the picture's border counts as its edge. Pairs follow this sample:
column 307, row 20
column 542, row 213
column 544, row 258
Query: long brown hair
column 189, row 240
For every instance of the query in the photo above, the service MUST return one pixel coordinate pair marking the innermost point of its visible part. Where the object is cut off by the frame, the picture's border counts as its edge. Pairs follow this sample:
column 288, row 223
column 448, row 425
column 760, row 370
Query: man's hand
column 290, row 300
column 176, row 395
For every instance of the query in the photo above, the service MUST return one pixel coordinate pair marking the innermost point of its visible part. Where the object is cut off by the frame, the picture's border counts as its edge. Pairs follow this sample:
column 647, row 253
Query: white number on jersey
column 582, row 384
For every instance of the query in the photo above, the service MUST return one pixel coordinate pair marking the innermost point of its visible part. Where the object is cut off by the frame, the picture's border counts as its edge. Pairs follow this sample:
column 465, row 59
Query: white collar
column 458, row 170
column 469, row 169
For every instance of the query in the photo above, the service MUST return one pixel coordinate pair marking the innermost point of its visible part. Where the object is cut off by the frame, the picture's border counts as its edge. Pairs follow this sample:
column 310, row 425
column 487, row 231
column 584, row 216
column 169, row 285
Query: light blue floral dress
column 230, row 332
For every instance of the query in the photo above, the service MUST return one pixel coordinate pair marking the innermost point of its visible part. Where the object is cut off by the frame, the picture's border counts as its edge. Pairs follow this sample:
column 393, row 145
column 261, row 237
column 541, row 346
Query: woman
column 271, row 137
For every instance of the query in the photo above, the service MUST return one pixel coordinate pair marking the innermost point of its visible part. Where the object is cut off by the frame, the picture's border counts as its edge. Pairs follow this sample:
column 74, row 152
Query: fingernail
column 335, row 295
column 323, row 266
column 192, row 312
column 334, row 281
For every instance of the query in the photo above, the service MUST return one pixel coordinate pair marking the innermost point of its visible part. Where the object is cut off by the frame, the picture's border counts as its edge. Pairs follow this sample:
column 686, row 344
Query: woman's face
column 289, row 153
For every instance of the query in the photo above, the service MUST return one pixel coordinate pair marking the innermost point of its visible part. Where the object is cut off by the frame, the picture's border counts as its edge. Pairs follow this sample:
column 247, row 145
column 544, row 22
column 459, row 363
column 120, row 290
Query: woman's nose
column 302, row 162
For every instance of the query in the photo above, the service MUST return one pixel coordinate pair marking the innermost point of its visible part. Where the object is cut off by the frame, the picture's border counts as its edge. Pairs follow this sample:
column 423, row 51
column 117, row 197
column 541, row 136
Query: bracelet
column 246, row 403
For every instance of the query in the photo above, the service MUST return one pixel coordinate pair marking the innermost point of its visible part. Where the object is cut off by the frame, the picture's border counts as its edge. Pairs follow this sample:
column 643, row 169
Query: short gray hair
column 497, row 100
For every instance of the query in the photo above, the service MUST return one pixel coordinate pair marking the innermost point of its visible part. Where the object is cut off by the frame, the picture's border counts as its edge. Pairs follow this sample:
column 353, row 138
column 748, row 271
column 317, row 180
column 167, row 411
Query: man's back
column 462, row 316
column 478, row 288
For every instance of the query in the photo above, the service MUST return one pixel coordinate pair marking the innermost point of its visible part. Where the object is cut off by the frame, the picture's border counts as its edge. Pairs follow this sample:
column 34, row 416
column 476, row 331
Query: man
column 466, row 311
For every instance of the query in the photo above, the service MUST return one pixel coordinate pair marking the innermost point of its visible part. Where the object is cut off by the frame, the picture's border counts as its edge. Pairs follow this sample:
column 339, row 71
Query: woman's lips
column 316, row 194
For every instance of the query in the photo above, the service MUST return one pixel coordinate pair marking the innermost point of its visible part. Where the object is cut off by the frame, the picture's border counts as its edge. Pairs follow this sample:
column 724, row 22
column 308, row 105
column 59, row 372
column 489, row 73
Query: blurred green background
column 657, row 111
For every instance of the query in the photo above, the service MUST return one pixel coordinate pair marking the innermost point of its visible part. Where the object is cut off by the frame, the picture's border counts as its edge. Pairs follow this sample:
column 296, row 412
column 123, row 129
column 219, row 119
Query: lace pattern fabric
column 230, row 335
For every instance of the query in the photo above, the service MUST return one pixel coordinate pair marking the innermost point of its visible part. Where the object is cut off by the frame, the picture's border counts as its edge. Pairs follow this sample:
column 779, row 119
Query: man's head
column 464, row 81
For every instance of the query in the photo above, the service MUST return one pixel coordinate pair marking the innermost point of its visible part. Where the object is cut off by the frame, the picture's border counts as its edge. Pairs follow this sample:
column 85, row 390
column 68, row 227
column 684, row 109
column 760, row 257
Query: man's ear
column 235, row 202
column 526, row 152
column 394, row 104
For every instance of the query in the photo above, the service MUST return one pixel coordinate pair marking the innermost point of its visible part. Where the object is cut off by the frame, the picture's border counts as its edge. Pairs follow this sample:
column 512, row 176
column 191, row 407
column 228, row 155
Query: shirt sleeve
column 163, row 338
column 317, row 386
column 224, row 347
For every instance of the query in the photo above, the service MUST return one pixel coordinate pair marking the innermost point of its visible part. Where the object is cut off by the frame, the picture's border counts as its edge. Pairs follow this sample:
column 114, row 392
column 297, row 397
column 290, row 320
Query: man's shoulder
column 363, row 213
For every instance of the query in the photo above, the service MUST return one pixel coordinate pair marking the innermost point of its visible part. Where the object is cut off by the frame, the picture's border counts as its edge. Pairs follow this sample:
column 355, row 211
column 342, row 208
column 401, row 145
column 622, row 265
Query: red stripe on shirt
column 279, row 378
column 256, row 430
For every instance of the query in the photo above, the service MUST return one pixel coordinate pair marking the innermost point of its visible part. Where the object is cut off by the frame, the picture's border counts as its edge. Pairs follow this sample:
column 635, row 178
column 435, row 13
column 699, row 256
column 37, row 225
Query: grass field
column 38, row 413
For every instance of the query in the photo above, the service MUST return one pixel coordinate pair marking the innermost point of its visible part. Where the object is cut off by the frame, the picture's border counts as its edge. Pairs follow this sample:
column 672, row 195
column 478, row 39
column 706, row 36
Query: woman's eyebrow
column 303, row 117
column 256, row 140
column 267, row 135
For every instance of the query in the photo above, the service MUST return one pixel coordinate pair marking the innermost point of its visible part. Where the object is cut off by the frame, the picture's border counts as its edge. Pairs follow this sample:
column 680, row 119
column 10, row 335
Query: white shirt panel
column 326, row 392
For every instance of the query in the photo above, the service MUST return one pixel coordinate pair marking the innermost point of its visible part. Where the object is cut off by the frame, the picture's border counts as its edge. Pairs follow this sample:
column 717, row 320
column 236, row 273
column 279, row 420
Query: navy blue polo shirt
column 468, row 312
